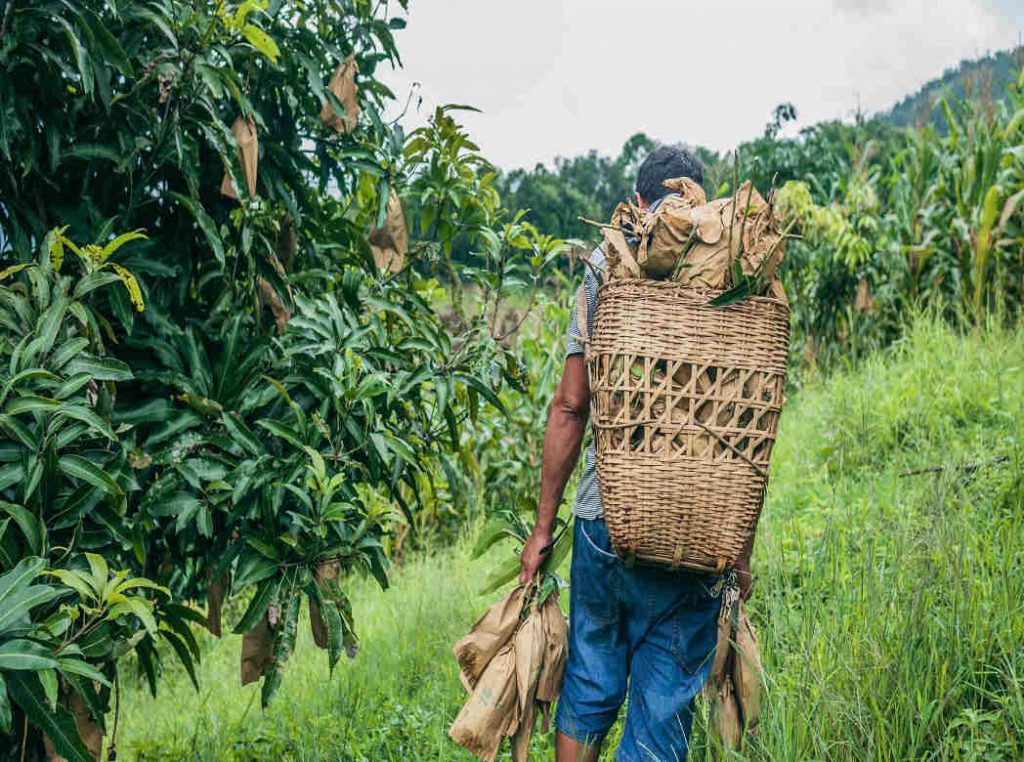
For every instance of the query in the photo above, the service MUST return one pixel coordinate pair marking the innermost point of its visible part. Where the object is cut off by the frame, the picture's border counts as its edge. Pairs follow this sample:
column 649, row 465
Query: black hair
column 666, row 163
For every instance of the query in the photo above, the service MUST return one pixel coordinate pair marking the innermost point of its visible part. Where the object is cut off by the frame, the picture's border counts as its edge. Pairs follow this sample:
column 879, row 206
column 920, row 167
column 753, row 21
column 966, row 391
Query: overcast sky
column 558, row 77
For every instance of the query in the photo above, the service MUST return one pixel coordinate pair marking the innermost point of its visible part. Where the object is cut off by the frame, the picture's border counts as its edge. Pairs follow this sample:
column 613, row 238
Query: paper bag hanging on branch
column 327, row 572
column 89, row 731
column 244, row 130
column 343, row 87
column 215, row 602
column 257, row 651
column 390, row 243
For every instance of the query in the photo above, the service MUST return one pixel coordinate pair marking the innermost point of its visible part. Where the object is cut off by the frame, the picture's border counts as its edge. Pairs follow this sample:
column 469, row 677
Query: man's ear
column 639, row 201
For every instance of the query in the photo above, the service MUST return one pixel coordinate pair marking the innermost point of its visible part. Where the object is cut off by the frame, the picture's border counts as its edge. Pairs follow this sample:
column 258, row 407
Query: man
column 646, row 630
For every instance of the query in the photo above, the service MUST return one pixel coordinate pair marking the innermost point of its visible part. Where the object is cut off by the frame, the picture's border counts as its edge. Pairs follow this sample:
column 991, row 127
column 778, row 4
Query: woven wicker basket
column 685, row 403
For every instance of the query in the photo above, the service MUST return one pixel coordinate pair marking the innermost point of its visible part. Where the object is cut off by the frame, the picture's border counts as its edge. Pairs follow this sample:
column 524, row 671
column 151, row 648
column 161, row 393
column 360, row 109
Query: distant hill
column 981, row 78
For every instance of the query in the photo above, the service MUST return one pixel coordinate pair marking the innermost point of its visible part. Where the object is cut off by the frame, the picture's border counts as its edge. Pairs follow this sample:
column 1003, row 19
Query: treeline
column 885, row 220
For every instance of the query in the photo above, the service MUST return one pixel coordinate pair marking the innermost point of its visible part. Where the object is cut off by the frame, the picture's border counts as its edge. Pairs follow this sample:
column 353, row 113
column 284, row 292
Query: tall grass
column 890, row 609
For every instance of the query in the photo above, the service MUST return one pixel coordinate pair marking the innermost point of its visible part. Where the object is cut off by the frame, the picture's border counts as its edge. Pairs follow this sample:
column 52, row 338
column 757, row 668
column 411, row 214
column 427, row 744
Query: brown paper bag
column 343, row 85
column 618, row 256
column 746, row 671
column 489, row 634
column 244, row 131
column 257, row 651
column 723, row 648
column 328, row 571
column 88, row 729
column 390, row 243
column 725, row 716
column 530, row 645
column 214, row 606
column 669, row 229
column 556, row 632
column 489, row 714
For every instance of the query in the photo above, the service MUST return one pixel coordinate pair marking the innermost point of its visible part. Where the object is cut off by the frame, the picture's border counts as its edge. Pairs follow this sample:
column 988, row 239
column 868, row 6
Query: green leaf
column 19, row 603
column 206, row 225
column 21, row 654
column 100, row 572
column 7, row 272
column 241, row 434
column 20, row 576
column 484, row 391
column 47, row 331
column 5, row 708
column 504, row 574
column 80, row 53
column 77, row 581
column 332, row 621
column 253, row 568
column 48, row 679
column 110, row 248
column 80, row 468
column 184, row 656
column 30, row 526
column 59, row 725
column 284, row 645
column 496, row 530
column 257, row 606
column 279, row 429
column 31, row 403
column 141, row 583
column 11, row 474
column 737, row 293
column 83, row 669
column 139, row 607
column 261, row 41
column 20, row 432
column 101, row 369
column 91, row 282
column 66, row 351
column 88, row 417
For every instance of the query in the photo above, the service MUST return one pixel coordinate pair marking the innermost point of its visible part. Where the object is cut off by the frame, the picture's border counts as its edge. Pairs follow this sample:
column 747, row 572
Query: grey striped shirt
column 588, row 499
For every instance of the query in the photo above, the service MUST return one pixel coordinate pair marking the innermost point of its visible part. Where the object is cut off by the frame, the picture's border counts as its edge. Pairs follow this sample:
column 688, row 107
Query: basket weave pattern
column 685, row 402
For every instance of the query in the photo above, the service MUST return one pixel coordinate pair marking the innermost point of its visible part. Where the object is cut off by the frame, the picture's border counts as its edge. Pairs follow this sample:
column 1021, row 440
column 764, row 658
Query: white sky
column 558, row 77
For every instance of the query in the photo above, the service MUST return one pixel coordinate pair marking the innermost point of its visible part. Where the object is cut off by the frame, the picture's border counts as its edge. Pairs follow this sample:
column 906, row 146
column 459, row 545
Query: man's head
column 666, row 163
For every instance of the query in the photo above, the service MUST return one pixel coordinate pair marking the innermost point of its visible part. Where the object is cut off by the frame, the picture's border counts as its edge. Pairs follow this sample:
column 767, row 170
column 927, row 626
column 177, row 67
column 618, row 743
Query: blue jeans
column 651, row 630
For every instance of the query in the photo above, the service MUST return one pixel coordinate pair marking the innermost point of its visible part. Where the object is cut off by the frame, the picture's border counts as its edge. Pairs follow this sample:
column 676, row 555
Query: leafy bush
column 240, row 405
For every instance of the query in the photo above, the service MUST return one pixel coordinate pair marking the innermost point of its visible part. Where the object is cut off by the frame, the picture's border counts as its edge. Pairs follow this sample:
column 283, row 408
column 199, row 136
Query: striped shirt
column 588, row 499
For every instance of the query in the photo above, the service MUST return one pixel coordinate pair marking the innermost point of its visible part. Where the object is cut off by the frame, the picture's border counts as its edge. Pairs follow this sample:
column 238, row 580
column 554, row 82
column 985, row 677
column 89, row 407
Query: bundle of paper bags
column 511, row 664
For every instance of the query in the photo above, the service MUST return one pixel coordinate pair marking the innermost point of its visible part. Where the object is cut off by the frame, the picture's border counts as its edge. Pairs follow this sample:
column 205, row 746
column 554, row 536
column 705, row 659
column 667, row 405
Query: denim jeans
column 646, row 631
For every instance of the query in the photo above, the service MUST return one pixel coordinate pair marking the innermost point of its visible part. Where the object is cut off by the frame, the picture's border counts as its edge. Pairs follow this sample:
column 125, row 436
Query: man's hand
column 532, row 556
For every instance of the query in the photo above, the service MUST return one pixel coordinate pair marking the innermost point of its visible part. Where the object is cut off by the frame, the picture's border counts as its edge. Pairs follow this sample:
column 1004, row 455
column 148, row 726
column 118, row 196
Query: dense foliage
column 208, row 389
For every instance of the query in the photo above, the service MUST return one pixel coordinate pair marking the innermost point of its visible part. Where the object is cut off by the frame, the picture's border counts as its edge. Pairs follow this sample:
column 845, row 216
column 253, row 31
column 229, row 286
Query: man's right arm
column 567, row 421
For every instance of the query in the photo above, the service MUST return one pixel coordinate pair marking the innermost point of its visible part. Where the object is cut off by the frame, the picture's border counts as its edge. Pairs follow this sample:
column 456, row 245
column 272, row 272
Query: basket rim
column 690, row 291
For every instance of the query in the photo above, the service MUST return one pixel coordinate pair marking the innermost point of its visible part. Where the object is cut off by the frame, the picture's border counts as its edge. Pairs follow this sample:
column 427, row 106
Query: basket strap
column 582, row 323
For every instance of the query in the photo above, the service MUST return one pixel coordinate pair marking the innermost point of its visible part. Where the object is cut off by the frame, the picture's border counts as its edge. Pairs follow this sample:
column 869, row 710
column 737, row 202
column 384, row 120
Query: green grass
column 890, row 610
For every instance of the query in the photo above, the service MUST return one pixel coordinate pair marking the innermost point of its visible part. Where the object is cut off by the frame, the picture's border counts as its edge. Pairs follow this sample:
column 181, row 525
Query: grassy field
column 890, row 609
